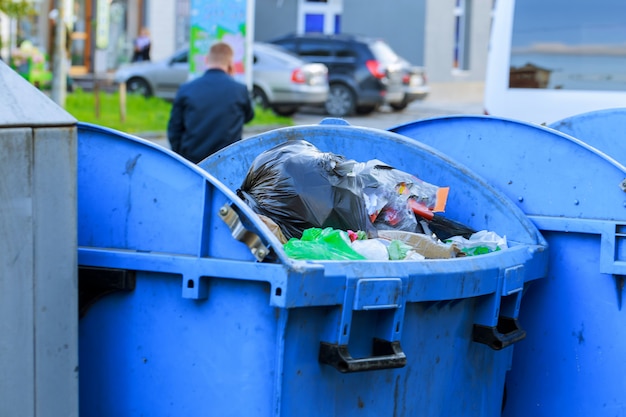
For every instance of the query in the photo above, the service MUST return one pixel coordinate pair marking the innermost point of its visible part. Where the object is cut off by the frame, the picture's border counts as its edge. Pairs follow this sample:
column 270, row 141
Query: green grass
column 142, row 114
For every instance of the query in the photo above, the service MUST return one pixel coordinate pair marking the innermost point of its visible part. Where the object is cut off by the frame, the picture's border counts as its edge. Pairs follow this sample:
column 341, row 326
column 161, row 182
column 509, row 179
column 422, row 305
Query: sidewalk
column 384, row 119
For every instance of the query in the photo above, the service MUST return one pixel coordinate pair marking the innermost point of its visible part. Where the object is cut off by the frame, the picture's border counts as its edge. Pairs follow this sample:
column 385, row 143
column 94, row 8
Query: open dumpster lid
column 602, row 129
column 545, row 172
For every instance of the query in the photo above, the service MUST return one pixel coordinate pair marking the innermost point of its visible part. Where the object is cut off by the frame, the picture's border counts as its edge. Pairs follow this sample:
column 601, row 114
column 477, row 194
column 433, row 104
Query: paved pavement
column 385, row 118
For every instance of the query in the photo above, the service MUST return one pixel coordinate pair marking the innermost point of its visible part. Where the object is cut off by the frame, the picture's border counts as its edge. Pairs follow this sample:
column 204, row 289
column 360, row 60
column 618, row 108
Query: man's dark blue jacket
column 208, row 114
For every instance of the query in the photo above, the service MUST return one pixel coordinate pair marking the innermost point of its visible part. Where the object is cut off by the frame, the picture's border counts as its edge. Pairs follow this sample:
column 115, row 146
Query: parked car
column 415, row 85
column 363, row 72
column 281, row 80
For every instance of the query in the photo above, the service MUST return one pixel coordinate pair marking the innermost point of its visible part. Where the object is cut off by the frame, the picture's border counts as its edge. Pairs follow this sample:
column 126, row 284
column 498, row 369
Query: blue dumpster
column 190, row 307
column 571, row 362
column 602, row 129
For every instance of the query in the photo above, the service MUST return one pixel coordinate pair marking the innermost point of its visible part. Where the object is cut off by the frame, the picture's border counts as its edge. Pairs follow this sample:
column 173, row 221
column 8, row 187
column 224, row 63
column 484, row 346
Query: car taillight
column 297, row 76
column 375, row 68
column 406, row 79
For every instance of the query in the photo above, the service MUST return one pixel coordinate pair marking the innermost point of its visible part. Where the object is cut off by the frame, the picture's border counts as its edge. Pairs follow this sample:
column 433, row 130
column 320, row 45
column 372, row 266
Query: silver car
column 281, row 81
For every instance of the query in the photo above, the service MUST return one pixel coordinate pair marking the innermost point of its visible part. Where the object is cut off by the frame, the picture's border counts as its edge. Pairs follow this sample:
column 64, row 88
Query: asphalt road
column 384, row 119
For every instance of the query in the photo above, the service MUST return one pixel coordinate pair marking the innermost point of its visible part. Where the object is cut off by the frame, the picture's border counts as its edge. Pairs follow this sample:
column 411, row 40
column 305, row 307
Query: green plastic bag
column 322, row 244
column 398, row 250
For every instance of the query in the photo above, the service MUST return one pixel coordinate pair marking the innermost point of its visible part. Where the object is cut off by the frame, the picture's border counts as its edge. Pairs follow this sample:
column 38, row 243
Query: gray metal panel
column 56, row 281
column 21, row 104
column 17, row 388
column 38, row 253
column 440, row 33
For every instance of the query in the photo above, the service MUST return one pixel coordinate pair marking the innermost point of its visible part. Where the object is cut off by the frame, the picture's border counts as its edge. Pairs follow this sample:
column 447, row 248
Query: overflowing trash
column 479, row 243
column 322, row 206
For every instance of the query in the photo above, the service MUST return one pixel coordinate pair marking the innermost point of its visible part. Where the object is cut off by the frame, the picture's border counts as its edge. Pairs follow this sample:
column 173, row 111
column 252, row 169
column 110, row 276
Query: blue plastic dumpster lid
column 545, row 172
column 602, row 129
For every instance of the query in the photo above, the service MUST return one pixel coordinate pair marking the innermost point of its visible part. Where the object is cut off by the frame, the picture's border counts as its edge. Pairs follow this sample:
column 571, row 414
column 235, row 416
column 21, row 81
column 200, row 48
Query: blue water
column 578, row 72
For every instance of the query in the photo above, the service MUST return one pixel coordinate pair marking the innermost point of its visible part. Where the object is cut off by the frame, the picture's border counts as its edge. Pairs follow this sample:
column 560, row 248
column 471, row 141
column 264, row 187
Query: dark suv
column 363, row 73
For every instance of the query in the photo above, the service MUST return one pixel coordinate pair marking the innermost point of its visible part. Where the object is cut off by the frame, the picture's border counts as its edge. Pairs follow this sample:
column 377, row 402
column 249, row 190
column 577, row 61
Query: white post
column 59, row 60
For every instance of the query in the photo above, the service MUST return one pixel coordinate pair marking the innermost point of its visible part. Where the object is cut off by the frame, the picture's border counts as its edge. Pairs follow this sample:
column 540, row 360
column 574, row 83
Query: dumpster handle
column 95, row 283
column 498, row 337
column 387, row 355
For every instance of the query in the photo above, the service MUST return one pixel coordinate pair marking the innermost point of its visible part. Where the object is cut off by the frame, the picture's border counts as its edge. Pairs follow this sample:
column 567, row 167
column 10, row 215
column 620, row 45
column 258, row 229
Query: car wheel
column 399, row 106
column 138, row 85
column 285, row 110
column 341, row 101
column 259, row 98
column 363, row 110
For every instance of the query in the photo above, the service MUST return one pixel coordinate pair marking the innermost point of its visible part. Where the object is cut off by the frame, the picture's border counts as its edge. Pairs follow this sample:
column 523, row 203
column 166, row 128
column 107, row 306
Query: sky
column 570, row 26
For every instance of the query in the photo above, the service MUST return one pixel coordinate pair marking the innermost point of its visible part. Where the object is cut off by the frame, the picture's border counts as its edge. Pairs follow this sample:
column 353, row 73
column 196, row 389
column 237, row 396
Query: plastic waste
column 299, row 187
column 479, row 243
column 333, row 244
column 422, row 244
column 322, row 244
column 273, row 228
column 387, row 192
column 372, row 249
column 398, row 250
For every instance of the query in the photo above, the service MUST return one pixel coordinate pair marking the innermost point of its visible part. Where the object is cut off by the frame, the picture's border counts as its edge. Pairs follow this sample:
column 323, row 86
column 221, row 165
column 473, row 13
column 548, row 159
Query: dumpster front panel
column 152, row 352
column 208, row 315
column 574, row 194
column 446, row 373
column 570, row 362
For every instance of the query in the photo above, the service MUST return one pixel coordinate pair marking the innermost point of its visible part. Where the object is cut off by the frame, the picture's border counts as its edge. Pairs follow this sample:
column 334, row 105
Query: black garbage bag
column 300, row 187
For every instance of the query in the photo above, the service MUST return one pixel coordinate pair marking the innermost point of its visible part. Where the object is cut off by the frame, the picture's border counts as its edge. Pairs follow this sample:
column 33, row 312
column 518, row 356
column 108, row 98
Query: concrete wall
column 439, row 33
column 161, row 18
column 399, row 22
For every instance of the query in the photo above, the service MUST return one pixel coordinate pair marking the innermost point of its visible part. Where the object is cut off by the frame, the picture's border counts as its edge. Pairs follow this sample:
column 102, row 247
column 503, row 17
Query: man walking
column 209, row 112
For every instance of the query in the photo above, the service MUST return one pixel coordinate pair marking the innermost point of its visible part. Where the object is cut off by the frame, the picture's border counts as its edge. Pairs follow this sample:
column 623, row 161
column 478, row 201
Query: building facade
column 449, row 37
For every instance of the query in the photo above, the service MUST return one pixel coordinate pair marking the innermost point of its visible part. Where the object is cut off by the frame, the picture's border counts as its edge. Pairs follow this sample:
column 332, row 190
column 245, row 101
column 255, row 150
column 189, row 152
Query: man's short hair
column 220, row 54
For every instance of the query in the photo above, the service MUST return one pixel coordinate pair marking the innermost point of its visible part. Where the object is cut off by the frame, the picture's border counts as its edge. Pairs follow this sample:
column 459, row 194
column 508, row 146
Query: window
column 180, row 58
column 346, row 52
column 315, row 16
column 462, row 18
column 383, row 52
column 315, row 49
column 314, row 23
